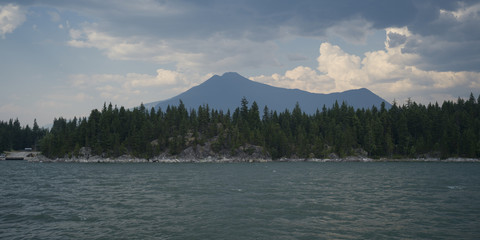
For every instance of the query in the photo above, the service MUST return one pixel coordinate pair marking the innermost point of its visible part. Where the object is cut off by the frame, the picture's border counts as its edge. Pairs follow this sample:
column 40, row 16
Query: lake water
column 240, row 201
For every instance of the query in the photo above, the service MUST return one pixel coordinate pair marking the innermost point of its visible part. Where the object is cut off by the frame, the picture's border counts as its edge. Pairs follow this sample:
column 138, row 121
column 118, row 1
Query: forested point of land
column 411, row 130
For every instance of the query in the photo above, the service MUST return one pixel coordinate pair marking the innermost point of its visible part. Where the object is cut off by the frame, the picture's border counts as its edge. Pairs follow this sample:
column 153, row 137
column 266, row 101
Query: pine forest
column 412, row 130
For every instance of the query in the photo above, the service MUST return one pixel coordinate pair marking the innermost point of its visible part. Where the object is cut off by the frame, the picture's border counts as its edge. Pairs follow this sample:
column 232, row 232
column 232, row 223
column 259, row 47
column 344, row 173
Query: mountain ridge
column 225, row 93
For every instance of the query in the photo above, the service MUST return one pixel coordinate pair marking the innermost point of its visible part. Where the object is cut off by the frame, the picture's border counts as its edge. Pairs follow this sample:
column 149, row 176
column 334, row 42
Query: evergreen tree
column 406, row 131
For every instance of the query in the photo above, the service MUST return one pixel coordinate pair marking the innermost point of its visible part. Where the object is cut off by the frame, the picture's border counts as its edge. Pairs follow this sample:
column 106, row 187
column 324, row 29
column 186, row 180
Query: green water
column 240, row 201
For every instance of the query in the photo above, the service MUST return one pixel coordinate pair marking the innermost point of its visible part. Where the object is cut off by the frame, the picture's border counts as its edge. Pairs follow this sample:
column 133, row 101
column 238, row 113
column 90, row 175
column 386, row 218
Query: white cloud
column 126, row 48
column 133, row 88
column 390, row 73
column 216, row 53
column 163, row 77
column 11, row 17
column 463, row 12
column 303, row 78
column 338, row 65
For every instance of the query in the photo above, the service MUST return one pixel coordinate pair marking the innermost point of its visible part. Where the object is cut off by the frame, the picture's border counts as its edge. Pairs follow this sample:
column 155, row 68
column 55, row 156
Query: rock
column 333, row 156
column 85, row 152
column 360, row 152
column 205, row 153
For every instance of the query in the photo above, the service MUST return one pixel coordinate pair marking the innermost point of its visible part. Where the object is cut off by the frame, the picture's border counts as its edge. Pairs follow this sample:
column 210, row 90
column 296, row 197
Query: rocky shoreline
column 246, row 153
column 217, row 159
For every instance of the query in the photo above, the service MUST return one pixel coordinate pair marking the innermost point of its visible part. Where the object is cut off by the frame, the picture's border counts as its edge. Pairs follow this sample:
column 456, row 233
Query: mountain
column 226, row 91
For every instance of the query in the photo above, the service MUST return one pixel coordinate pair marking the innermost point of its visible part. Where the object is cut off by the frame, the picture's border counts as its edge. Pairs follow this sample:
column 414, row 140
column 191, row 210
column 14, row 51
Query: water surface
column 396, row 200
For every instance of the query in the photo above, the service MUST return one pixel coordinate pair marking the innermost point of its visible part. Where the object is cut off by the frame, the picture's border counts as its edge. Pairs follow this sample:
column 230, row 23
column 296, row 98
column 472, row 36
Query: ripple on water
column 241, row 201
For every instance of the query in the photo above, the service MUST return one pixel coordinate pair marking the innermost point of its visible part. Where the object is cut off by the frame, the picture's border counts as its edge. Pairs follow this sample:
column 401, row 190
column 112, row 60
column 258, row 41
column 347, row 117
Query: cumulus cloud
column 303, row 78
column 337, row 64
column 391, row 73
column 11, row 17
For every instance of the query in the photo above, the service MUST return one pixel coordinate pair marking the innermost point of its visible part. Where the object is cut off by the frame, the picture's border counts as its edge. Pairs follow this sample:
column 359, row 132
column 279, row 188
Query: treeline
column 410, row 130
column 15, row 137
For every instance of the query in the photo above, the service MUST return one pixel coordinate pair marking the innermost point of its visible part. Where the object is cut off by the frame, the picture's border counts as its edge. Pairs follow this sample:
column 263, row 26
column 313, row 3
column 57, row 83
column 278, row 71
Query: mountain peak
column 227, row 80
column 225, row 93
column 232, row 75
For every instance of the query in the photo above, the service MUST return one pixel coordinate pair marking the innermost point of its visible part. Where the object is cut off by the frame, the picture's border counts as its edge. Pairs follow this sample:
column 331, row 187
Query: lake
column 347, row 200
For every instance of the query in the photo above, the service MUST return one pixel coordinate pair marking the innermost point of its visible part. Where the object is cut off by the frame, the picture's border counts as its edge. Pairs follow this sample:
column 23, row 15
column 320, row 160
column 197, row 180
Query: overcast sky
column 65, row 58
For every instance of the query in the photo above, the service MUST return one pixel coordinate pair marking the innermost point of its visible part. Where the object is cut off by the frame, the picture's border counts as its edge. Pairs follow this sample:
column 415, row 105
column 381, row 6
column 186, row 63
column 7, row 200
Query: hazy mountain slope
column 226, row 91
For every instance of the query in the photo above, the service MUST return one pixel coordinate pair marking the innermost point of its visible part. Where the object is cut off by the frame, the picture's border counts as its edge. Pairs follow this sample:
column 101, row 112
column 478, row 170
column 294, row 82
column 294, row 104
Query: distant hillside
column 226, row 91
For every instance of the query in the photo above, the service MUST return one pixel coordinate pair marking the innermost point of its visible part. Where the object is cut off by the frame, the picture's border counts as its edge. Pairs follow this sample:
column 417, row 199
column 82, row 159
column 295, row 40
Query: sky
column 64, row 58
